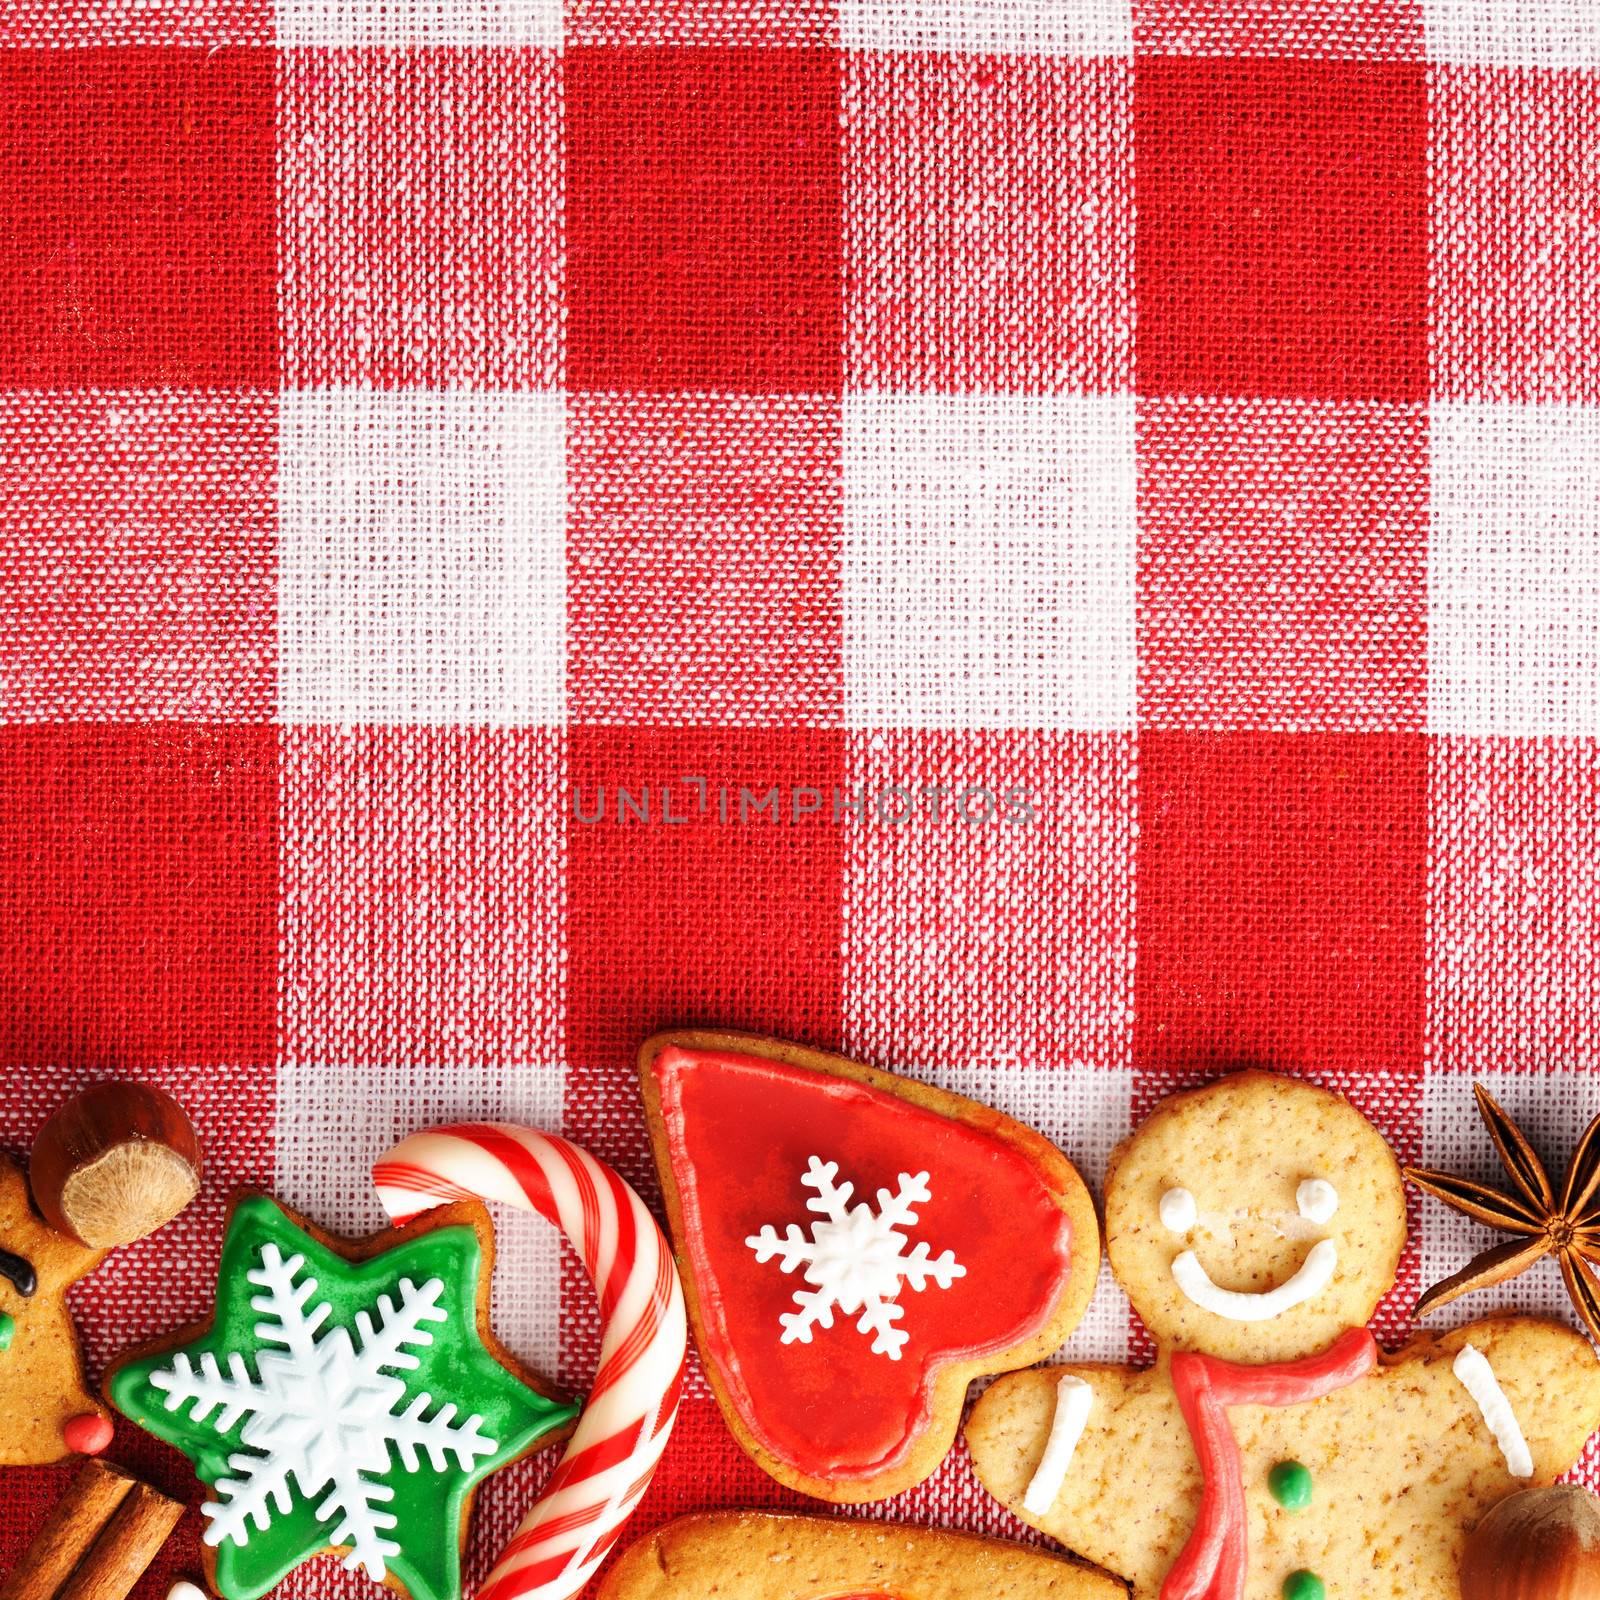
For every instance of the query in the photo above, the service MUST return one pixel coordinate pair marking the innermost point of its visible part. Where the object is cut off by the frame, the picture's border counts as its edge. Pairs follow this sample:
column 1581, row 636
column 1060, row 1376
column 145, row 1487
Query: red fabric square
column 703, row 231
column 421, row 217
column 138, row 205
column 1283, row 554
column 1036, row 966
column 138, row 866
column 1515, row 905
column 989, row 223
column 138, row 559
column 1282, row 902
column 1283, row 230
column 703, row 551
column 1516, row 213
column 721, row 913
column 421, row 890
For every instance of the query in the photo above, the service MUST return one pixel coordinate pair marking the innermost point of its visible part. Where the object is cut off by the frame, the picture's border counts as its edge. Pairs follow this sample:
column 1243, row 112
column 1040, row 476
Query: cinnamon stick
column 68, row 1532
column 102, row 1534
column 138, row 1528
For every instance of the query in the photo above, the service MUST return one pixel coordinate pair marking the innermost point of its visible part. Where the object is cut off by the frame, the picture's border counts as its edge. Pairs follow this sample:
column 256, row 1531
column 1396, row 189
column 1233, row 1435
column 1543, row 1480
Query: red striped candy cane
column 629, row 1414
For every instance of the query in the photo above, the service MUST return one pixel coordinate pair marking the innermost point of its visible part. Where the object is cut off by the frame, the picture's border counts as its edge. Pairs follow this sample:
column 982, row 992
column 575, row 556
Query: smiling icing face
column 1256, row 1218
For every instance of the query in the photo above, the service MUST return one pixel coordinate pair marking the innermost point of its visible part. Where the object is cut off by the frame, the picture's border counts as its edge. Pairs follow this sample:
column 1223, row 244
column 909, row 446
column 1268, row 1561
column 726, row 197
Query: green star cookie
column 339, row 1402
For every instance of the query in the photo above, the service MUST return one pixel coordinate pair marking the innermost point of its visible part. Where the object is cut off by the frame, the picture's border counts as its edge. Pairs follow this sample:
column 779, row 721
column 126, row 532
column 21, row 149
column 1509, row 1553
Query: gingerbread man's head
column 1255, row 1218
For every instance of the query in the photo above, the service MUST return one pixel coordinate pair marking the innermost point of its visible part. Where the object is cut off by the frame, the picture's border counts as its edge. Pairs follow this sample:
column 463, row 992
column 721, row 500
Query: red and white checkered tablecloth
column 422, row 421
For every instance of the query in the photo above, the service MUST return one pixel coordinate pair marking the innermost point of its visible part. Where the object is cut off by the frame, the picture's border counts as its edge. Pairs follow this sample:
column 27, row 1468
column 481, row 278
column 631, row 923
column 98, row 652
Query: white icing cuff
column 184, row 1590
column 1477, row 1377
column 1178, row 1210
column 1316, row 1200
column 1074, row 1397
column 1315, row 1273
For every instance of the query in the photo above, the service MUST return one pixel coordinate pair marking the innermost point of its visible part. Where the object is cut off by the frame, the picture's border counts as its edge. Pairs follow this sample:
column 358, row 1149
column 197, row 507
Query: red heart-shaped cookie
column 855, row 1249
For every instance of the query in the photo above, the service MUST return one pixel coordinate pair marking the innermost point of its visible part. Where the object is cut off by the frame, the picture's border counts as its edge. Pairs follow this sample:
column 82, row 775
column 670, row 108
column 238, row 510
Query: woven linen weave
column 419, row 415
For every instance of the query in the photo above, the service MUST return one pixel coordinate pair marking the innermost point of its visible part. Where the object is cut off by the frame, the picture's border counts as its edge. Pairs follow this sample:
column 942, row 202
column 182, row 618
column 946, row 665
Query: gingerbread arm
column 1132, row 1428
column 1528, row 1387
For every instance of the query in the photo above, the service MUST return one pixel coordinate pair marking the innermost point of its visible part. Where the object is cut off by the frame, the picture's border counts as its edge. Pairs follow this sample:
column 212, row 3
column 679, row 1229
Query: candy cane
column 624, row 1428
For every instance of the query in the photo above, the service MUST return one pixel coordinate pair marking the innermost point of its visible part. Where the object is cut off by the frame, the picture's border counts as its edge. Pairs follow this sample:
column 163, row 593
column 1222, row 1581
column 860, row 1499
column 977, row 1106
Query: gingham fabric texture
column 433, row 431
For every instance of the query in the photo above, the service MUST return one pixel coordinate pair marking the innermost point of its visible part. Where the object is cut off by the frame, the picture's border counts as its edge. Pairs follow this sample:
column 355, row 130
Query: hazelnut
column 1541, row 1544
column 115, row 1163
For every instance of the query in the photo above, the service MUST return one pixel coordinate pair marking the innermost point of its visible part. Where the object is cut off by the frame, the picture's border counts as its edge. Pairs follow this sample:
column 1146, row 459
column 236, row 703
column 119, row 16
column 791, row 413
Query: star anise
column 1568, row 1229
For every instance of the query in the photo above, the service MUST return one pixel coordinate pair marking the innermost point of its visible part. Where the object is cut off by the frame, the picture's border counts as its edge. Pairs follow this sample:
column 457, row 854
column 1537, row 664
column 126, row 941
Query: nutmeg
column 115, row 1163
column 1541, row 1544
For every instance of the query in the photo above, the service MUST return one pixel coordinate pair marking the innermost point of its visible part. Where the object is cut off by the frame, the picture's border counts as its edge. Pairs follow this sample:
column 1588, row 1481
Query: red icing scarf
column 1211, row 1566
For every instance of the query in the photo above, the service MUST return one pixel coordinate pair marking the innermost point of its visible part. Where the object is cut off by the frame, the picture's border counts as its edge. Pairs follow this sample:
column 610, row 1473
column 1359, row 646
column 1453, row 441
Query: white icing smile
column 1315, row 1273
column 1315, row 1199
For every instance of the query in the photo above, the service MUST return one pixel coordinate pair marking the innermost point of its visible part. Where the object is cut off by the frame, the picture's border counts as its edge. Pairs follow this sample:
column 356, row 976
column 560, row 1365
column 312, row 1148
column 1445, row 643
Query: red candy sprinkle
column 87, row 1435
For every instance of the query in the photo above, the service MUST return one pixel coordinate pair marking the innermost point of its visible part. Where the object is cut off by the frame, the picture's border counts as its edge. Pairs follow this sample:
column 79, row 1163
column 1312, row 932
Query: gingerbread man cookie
column 46, row 1412
column 1273, row 1450
column 116, row 1161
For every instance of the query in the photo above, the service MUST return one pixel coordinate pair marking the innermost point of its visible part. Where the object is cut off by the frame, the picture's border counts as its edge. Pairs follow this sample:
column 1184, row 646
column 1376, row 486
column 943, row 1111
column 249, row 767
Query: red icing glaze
column 1212, row 1564
column 88, row 1434
column 740, row 1131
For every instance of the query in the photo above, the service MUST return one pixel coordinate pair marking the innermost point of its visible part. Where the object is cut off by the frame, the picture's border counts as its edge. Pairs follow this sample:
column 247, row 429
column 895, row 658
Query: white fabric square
column 1014, row 27
column 989, row 561
column 334, row 1122
column 764, row 23
column 1553, row 1109
column 419, row 22
column 136, row 24
column 423, row 557
column 1513, row 33
column 1514, row 570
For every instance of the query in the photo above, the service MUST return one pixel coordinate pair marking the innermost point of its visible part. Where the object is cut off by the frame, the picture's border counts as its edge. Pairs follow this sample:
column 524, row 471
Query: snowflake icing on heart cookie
column 856, row 1259
column 338, row 1403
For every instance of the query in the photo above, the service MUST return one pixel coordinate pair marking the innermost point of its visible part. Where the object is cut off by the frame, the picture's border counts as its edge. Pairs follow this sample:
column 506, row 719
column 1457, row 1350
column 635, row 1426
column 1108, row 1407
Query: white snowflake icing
column 322, row 1413
column 856, row 1259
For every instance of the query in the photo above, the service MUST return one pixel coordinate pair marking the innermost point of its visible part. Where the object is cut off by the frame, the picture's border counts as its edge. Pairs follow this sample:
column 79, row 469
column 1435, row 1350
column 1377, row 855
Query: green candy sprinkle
column 1290, row 1483
column 8, row 1328
column 1303, row 1585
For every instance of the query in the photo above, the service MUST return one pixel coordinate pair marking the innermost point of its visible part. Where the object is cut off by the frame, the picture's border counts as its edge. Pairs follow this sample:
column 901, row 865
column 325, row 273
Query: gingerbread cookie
column 1273, row 1450
column 855, row 1249
column 116, row 1161
column 46, row 1413
column 748, row 1555
column 343, row 1396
